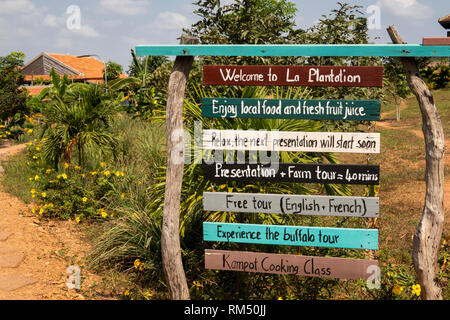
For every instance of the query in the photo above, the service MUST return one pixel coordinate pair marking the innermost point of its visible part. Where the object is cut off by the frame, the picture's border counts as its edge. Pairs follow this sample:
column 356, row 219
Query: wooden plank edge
column 288, row 264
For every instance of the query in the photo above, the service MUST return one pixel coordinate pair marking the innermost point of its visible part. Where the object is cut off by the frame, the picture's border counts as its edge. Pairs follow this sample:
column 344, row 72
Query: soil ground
column 35, row 253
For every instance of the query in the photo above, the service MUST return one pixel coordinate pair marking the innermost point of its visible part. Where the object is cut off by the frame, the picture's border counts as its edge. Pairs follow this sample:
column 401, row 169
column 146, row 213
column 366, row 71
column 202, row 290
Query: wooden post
column 428, row 234
column 170, row 232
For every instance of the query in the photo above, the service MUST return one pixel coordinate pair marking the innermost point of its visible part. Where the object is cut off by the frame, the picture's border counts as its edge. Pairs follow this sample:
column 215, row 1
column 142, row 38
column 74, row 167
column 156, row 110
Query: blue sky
column 110, row 28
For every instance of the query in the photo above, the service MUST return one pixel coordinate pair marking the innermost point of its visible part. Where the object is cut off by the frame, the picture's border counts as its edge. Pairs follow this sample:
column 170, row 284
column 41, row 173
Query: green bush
column 436, row 77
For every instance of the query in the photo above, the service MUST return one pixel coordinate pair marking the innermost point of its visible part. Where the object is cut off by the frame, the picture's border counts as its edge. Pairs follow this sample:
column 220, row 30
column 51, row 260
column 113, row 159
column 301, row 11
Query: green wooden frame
column 318, row 50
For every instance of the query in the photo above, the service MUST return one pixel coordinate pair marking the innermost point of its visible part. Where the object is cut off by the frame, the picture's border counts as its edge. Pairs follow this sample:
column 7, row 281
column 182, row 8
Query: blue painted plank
column 291, row 235
column 318, row 50
column 368, row 110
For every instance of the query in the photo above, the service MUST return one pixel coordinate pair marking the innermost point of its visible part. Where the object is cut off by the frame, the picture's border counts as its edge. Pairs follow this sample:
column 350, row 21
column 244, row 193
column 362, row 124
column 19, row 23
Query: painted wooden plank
column 330, row 76
column 363, row 110
column 436, row 41
column 368, row 207
column 293, row 172
column 348, row 142
column 291, row 235
column 318, row 50
column 311, row 266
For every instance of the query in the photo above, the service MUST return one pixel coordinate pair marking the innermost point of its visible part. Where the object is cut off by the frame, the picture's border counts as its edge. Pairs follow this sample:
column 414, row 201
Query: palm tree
column 79, row 117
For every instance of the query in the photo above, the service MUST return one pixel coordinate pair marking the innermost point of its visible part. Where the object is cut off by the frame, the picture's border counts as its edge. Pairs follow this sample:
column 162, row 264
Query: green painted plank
column 291, row 235
column 318, row 50
column 364, row 110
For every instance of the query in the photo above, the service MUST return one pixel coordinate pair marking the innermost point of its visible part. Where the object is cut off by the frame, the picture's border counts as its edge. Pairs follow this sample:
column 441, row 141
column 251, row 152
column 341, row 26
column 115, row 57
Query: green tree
column 144, row 65
column 12, row 97
column 81, row 119
column 140, row 86
column 246, row 22
column 113, row 70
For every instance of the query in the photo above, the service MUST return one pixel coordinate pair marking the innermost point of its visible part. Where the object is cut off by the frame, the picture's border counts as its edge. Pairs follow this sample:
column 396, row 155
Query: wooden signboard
column 291, row 235
column 339, row 268
column 334, row 76
column 293, row 172
column 364, row 110
column 436, row 41
column 367, row 207
column 291, row 141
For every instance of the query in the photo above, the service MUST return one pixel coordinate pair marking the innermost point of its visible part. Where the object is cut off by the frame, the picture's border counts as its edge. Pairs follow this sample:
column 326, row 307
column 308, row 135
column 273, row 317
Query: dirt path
column 418, row 133
column 416, row 193
column 35, row 254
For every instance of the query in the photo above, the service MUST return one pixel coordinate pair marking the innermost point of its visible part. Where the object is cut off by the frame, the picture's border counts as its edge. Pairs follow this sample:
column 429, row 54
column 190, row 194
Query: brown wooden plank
column 436, row 41
column 325, row 267
column 334, row 76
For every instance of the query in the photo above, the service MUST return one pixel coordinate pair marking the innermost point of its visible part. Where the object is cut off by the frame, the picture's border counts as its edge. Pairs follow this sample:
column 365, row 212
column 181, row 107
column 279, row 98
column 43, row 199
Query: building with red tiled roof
column 78, row 69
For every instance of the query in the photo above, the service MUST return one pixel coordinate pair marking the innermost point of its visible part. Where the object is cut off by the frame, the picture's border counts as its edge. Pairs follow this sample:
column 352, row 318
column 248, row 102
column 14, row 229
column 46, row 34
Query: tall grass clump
column 132, row 242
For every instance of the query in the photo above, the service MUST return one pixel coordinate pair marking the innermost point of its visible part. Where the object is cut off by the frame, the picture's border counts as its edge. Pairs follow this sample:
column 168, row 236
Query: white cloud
column 63, row 43
column 53, row 21
column 85, row 31
column 406, row 8
column 126, row 7
column 134, row 41
column 16, row 6
column 169, row 20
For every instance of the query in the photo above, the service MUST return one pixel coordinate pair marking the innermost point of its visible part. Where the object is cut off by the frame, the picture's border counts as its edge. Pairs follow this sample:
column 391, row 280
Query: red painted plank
column 436, row 41
column 331, row 76
column 325, row 267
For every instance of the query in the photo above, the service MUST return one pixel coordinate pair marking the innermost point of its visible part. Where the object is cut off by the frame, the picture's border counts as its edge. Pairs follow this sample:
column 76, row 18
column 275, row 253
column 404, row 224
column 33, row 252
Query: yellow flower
column 37, row 148
column 122, row 195
column 102, row 164
column 48, row 170
column 43, row 194
column 36, row 177
column 77, row 219
column 35, row 157
column 416, row 289
column 397, row 289
column 117, row 173
column 126, row 293
column 41, row 211
column 84, row 199
column 66, row 165
column 64, row 176
column 107, row 173
column 137, row 263
column 122, row 174
column 93, row 173
column 77, row 167
column 82, row 175
column 30, row 131
column 31, row 179
column 280, row 298
column 49, row 205
column 104, row 214
column 33, row 191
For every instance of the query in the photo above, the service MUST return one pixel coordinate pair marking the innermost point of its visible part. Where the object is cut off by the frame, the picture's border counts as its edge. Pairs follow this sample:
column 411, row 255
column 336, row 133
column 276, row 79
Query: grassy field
column 402, row 177
column 402, row 187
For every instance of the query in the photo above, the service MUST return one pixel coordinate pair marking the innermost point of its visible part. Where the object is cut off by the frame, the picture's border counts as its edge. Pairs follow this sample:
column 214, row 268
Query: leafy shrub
column 436, row 77
column 71, row 193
